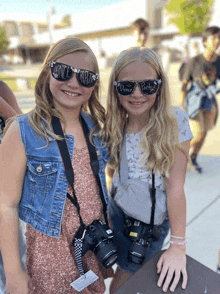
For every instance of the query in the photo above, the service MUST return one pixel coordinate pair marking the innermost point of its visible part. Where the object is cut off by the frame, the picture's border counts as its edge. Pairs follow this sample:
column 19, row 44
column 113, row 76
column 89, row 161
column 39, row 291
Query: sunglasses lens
column 125, row 88
column 149, row 87
column 61, row 72
column 87, row 78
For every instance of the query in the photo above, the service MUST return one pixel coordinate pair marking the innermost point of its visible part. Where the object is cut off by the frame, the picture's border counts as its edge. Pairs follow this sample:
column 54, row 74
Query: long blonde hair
column 160, row 136
column 44, row 109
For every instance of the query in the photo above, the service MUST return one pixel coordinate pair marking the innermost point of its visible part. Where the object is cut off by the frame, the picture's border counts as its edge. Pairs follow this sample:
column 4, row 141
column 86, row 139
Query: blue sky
column 61, row 6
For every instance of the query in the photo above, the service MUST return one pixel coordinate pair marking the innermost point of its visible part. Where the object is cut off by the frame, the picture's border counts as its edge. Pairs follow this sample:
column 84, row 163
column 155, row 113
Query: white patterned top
column 134, row 153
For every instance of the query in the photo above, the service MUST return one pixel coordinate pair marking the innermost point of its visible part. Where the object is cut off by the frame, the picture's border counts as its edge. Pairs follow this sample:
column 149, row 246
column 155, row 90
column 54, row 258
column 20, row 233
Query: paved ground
column 202, row 191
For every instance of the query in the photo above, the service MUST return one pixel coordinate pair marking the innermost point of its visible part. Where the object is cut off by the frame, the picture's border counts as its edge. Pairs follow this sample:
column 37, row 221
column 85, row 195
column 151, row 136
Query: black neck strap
column 94, row 163
column 64, row 151
column 153, row 199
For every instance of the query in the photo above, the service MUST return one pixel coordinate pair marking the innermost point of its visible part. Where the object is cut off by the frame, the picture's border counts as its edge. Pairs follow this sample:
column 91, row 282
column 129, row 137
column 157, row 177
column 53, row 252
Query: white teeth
column 137, row 103
column 71, row 94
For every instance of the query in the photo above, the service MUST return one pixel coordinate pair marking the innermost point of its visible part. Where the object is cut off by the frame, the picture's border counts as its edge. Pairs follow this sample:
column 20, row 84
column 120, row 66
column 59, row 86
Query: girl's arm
column 7, row 94
column 183, row 93
column 174, row 258
column 109, row 177
column 13, row 165
column 6, row 111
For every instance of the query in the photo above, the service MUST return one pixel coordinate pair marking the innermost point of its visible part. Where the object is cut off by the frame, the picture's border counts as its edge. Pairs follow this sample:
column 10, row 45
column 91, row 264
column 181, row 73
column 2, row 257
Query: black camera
column 99, row 238
column 141, row 235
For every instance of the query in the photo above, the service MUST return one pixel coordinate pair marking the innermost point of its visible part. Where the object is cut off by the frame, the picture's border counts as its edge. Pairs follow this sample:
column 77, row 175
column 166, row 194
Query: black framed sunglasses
column 147, row 87
column 63, row 72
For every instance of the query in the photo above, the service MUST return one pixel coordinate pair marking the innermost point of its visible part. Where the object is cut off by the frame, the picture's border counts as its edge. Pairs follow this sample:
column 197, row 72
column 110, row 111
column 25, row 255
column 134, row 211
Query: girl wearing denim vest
column 157, row 139
column 33, row 181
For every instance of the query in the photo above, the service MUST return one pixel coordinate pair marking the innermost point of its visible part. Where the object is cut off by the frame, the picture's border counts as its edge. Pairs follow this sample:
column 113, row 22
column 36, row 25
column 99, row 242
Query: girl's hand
column 172, row 261
column 17, row 284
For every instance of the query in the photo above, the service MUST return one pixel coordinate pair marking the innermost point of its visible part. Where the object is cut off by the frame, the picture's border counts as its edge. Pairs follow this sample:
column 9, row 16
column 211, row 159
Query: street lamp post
column 50, row 23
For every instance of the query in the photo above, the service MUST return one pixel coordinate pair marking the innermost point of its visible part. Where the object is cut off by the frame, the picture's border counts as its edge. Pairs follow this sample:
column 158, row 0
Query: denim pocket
column 42, row 177
column 42, row 174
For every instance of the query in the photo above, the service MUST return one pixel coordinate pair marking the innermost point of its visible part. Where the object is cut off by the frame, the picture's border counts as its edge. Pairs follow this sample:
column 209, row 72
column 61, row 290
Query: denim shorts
column 116, row 216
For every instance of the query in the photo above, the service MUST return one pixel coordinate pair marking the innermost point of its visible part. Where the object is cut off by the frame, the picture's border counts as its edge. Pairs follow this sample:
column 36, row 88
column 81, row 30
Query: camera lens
column 106, row 252
column 92, row 228
column 110, row 259
column 136, row 253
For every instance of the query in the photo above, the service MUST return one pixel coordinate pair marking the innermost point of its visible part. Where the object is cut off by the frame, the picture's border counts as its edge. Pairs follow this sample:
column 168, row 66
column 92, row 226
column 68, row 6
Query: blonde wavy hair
column 160, row 136
column 44, row 109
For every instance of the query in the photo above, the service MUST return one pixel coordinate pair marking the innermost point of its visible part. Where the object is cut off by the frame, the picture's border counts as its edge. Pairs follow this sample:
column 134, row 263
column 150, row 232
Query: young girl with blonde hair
column 34, row 183
column 157, row 139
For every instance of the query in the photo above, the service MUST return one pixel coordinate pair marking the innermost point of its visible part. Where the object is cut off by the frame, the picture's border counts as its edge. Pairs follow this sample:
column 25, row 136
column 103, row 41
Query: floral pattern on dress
column 51, row 261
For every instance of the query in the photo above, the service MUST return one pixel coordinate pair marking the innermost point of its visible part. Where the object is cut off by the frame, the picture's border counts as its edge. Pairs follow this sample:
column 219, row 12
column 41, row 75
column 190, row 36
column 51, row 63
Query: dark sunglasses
column 63, row 72
column 147, row 87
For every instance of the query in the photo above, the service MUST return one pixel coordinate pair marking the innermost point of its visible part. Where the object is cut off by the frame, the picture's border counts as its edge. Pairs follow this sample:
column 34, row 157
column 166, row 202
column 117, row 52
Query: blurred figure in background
column 8, row 106
column 203, row 72
column 195, row 49
column 184, row 58
column 141, row 31
column 165, row 58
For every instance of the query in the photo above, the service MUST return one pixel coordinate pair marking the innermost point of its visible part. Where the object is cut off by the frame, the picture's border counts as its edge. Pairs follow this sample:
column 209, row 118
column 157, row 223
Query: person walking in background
column 8, row 106
column 195, row 49
column 143, row 130
column 34, row 184
column 141, row 29
column 203, row 72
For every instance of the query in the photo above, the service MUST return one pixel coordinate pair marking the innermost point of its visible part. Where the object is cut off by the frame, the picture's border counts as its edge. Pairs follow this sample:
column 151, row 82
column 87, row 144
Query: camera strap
column 64, row 152
column 153, row 199
column 94, row 163
column 123, row 176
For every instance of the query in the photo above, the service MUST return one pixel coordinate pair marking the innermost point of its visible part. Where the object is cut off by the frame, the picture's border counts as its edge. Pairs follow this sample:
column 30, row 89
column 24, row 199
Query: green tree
column 190, row 16
column 3, row 40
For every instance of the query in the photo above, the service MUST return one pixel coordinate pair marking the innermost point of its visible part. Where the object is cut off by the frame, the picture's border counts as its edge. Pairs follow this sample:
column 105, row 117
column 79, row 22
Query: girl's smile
column 135, row 103
column 71, row 94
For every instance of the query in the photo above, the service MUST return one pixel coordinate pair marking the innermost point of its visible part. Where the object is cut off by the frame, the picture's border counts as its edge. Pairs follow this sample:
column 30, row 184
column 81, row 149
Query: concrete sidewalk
column 203, row 211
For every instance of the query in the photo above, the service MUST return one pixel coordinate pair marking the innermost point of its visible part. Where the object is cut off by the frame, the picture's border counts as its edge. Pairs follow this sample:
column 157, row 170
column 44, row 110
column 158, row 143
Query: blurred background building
column 106, row 30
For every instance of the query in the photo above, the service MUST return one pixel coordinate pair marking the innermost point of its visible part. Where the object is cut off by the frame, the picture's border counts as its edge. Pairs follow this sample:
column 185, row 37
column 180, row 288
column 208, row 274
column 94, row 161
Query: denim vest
column 45, row 184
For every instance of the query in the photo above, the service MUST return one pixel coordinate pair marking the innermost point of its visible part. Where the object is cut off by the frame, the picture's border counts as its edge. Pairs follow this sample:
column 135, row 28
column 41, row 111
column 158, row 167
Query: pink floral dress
column 50, row 261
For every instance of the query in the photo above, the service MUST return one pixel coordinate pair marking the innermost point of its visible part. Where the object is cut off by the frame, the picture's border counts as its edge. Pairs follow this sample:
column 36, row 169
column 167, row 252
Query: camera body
column 99, row 238
column 140, row 234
